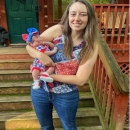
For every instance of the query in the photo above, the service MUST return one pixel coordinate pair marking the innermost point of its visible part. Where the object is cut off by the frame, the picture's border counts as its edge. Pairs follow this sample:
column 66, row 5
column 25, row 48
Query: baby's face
column 34, row 43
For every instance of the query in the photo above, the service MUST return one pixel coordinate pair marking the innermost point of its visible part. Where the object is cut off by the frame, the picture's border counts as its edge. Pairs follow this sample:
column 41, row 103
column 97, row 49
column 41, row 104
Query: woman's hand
column 45, row 59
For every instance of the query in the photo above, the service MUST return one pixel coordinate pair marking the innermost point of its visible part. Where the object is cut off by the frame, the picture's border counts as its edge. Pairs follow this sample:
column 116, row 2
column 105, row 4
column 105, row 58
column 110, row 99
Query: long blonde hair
column 89, row 34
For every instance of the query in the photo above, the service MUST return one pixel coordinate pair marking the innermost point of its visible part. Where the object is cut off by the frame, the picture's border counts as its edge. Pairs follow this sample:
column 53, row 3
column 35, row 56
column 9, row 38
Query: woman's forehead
column 78, row 7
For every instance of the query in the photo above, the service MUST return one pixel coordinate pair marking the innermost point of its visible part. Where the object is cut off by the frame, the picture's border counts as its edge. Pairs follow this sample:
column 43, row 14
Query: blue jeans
column 65, row 105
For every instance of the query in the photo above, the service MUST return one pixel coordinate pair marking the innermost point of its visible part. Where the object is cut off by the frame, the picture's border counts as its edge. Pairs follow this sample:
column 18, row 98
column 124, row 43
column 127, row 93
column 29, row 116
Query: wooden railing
column 110, row 89
column 113, row 21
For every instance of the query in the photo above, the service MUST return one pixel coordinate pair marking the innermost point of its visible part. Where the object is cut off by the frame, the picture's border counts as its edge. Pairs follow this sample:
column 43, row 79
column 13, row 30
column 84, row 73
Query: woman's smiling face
column 78, row 16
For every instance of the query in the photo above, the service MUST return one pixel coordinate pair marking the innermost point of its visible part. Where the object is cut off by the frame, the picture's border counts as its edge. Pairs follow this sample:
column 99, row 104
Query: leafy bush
column 99, row 1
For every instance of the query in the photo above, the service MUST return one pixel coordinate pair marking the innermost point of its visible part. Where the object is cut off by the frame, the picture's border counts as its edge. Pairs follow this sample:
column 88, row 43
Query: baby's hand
column 39, row 40
column 55, row 49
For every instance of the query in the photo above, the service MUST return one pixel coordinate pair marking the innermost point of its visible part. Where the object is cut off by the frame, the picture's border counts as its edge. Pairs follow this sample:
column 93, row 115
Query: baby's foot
column 36, row 84
column 45, row 77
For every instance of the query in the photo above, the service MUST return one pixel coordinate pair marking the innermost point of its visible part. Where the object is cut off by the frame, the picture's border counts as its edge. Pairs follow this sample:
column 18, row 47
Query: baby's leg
column 35, row 75
column 31, row 66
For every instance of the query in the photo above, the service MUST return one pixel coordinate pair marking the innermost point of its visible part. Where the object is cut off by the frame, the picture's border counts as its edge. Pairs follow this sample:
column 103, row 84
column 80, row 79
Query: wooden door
column 21, row 14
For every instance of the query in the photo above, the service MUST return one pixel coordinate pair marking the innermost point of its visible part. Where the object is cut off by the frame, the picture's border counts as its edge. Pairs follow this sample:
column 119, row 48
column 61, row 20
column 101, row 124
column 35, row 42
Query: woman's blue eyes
column 72, row 14
column 83, row 14
column 80, row 14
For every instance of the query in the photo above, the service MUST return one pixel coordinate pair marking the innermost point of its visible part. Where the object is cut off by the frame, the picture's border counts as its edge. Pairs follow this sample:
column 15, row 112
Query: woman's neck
column 77, row 34
column 77, row 38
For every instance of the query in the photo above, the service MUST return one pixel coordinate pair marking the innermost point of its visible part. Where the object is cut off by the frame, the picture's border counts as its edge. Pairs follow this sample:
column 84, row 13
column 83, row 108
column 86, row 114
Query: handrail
column 112, row 67
column 110, row 89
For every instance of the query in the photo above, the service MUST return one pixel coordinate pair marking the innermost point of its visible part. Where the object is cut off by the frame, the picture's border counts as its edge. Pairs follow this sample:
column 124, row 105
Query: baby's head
column 34, row 43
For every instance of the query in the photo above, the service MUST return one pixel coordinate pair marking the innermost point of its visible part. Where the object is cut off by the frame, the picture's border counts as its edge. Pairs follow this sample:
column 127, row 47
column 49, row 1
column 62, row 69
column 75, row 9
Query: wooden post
column 119, row 112
column 41, row 3
column 3, row 19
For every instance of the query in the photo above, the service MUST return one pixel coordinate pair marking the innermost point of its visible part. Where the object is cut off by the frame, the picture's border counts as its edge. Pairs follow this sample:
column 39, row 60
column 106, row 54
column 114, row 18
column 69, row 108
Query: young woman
column 75, row 38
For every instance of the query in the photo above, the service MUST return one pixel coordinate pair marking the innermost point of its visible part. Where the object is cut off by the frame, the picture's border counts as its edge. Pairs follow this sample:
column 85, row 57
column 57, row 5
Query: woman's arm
column 50, row 34
column 82, row 74
column 45, row 59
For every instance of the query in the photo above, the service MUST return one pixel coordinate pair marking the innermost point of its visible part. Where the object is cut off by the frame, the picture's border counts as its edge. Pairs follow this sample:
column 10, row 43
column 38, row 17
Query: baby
column 39, row 71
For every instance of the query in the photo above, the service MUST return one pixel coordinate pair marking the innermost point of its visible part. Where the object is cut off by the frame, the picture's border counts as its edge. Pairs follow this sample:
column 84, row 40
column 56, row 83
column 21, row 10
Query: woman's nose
column 77, row 17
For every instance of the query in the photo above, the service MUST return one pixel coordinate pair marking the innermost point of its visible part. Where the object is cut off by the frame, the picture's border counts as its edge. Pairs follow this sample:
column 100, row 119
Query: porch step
column 15, row 75
column 14, row 53
column 79, row 128
column 15, row 87
column 22, row 120
column 86, row 128
column 18, row 45
column 23, row 87
column 23, row 102
column 15, row 64
column 14, row 56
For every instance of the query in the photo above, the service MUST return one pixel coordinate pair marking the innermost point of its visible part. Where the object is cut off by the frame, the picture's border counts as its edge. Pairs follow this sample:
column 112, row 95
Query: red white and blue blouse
column 64, row 66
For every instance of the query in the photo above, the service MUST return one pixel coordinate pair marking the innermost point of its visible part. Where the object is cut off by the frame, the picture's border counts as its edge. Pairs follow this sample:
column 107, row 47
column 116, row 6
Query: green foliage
column 99, row 1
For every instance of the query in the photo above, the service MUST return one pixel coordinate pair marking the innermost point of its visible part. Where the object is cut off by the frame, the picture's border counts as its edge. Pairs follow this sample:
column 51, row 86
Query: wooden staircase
column 16, row 110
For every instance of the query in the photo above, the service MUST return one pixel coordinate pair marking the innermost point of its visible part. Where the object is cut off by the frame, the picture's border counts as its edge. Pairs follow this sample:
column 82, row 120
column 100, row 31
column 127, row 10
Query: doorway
column 21, row 14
